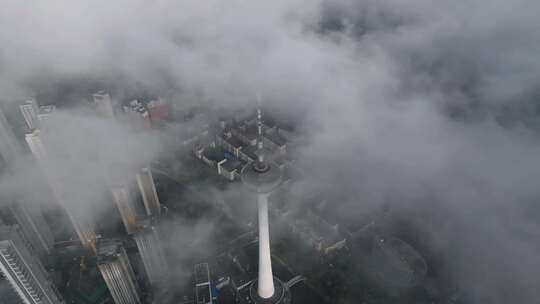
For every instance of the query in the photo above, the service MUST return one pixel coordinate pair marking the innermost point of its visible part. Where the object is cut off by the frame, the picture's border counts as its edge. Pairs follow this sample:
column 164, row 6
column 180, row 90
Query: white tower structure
column 263, row 177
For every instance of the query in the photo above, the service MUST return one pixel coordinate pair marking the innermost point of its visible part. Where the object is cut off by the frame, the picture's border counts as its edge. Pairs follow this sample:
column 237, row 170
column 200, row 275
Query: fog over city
column 427, row 108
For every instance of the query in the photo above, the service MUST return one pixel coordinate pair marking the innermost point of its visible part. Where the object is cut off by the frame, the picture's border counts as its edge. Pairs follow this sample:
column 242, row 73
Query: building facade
column 103, row 104
column 203, row 288
column 126, row 206
column 151, row 251
column 22, row 268
column 145, row 181
column 9, row 147
column 34, row 227
column 114, row 265
column 83, row 227
column 29, row 111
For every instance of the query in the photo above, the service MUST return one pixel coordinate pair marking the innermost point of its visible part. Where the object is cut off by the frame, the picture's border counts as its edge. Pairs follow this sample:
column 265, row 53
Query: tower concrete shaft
column 263, row 177
column 266, row 278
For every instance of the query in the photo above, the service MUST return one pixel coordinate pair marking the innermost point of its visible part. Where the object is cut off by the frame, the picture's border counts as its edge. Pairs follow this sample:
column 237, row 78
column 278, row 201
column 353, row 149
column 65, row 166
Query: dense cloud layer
column 428, row 106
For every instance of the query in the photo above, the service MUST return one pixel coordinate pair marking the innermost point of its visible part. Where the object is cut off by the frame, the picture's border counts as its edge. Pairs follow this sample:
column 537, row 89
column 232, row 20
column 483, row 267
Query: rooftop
column 231, row 165
column 251, row 132
column 46, row 109
column 215, row 154
column 101, row 94
column 107, row 249
column 269, row 122
column 250, row 151
column 233, row 141
column 276, row 138
column 201, row 273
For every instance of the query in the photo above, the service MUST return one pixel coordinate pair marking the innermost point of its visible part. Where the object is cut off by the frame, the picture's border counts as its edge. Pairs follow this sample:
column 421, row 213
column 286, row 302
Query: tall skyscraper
column 103, row 104
column 147, row 187
column 262, row 178
column 30, row 111
column 33, row 226
column 23, row 269
column 83, row 227
column 126, row 206
column 9, row 146
column 116, row 270
column 151, row 251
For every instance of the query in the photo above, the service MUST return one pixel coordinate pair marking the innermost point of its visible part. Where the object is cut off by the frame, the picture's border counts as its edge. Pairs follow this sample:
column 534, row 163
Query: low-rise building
column 213, row 155
column 103, row 104
column 231, row 143
column 137, row 114
column 203, row 286
column 158, row 110
column 275, row 141
column 45, row 112
column 230, row 168
column 313, row 230
column 246, row 133
column 234, row 146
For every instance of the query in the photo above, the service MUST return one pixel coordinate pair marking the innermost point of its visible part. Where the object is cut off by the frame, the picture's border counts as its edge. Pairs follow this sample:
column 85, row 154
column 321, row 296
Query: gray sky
column 429, row 105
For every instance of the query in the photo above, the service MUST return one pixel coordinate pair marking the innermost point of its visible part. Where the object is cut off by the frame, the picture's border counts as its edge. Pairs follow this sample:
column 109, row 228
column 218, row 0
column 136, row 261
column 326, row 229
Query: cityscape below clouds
column 252, row 152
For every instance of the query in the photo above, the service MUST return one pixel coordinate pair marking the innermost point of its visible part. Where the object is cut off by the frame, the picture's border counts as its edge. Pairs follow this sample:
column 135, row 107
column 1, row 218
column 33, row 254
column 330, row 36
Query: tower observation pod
column 262, row 178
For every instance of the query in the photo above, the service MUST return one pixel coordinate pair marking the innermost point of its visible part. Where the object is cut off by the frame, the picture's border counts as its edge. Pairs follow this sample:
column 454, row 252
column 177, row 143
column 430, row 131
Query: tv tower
column 263, row 177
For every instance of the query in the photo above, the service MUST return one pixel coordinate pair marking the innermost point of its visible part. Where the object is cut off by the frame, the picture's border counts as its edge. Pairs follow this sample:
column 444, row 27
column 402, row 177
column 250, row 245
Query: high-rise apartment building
column 148, row 191
column 126, row 206
column 151, row 251
column 83, row 227
column 9, row 146
column 113, row 263
column 33, row 226
column 22, row 268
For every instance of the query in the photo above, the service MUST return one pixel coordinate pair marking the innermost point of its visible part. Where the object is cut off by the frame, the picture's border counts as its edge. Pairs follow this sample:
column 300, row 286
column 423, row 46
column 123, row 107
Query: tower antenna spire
column 260, row 154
